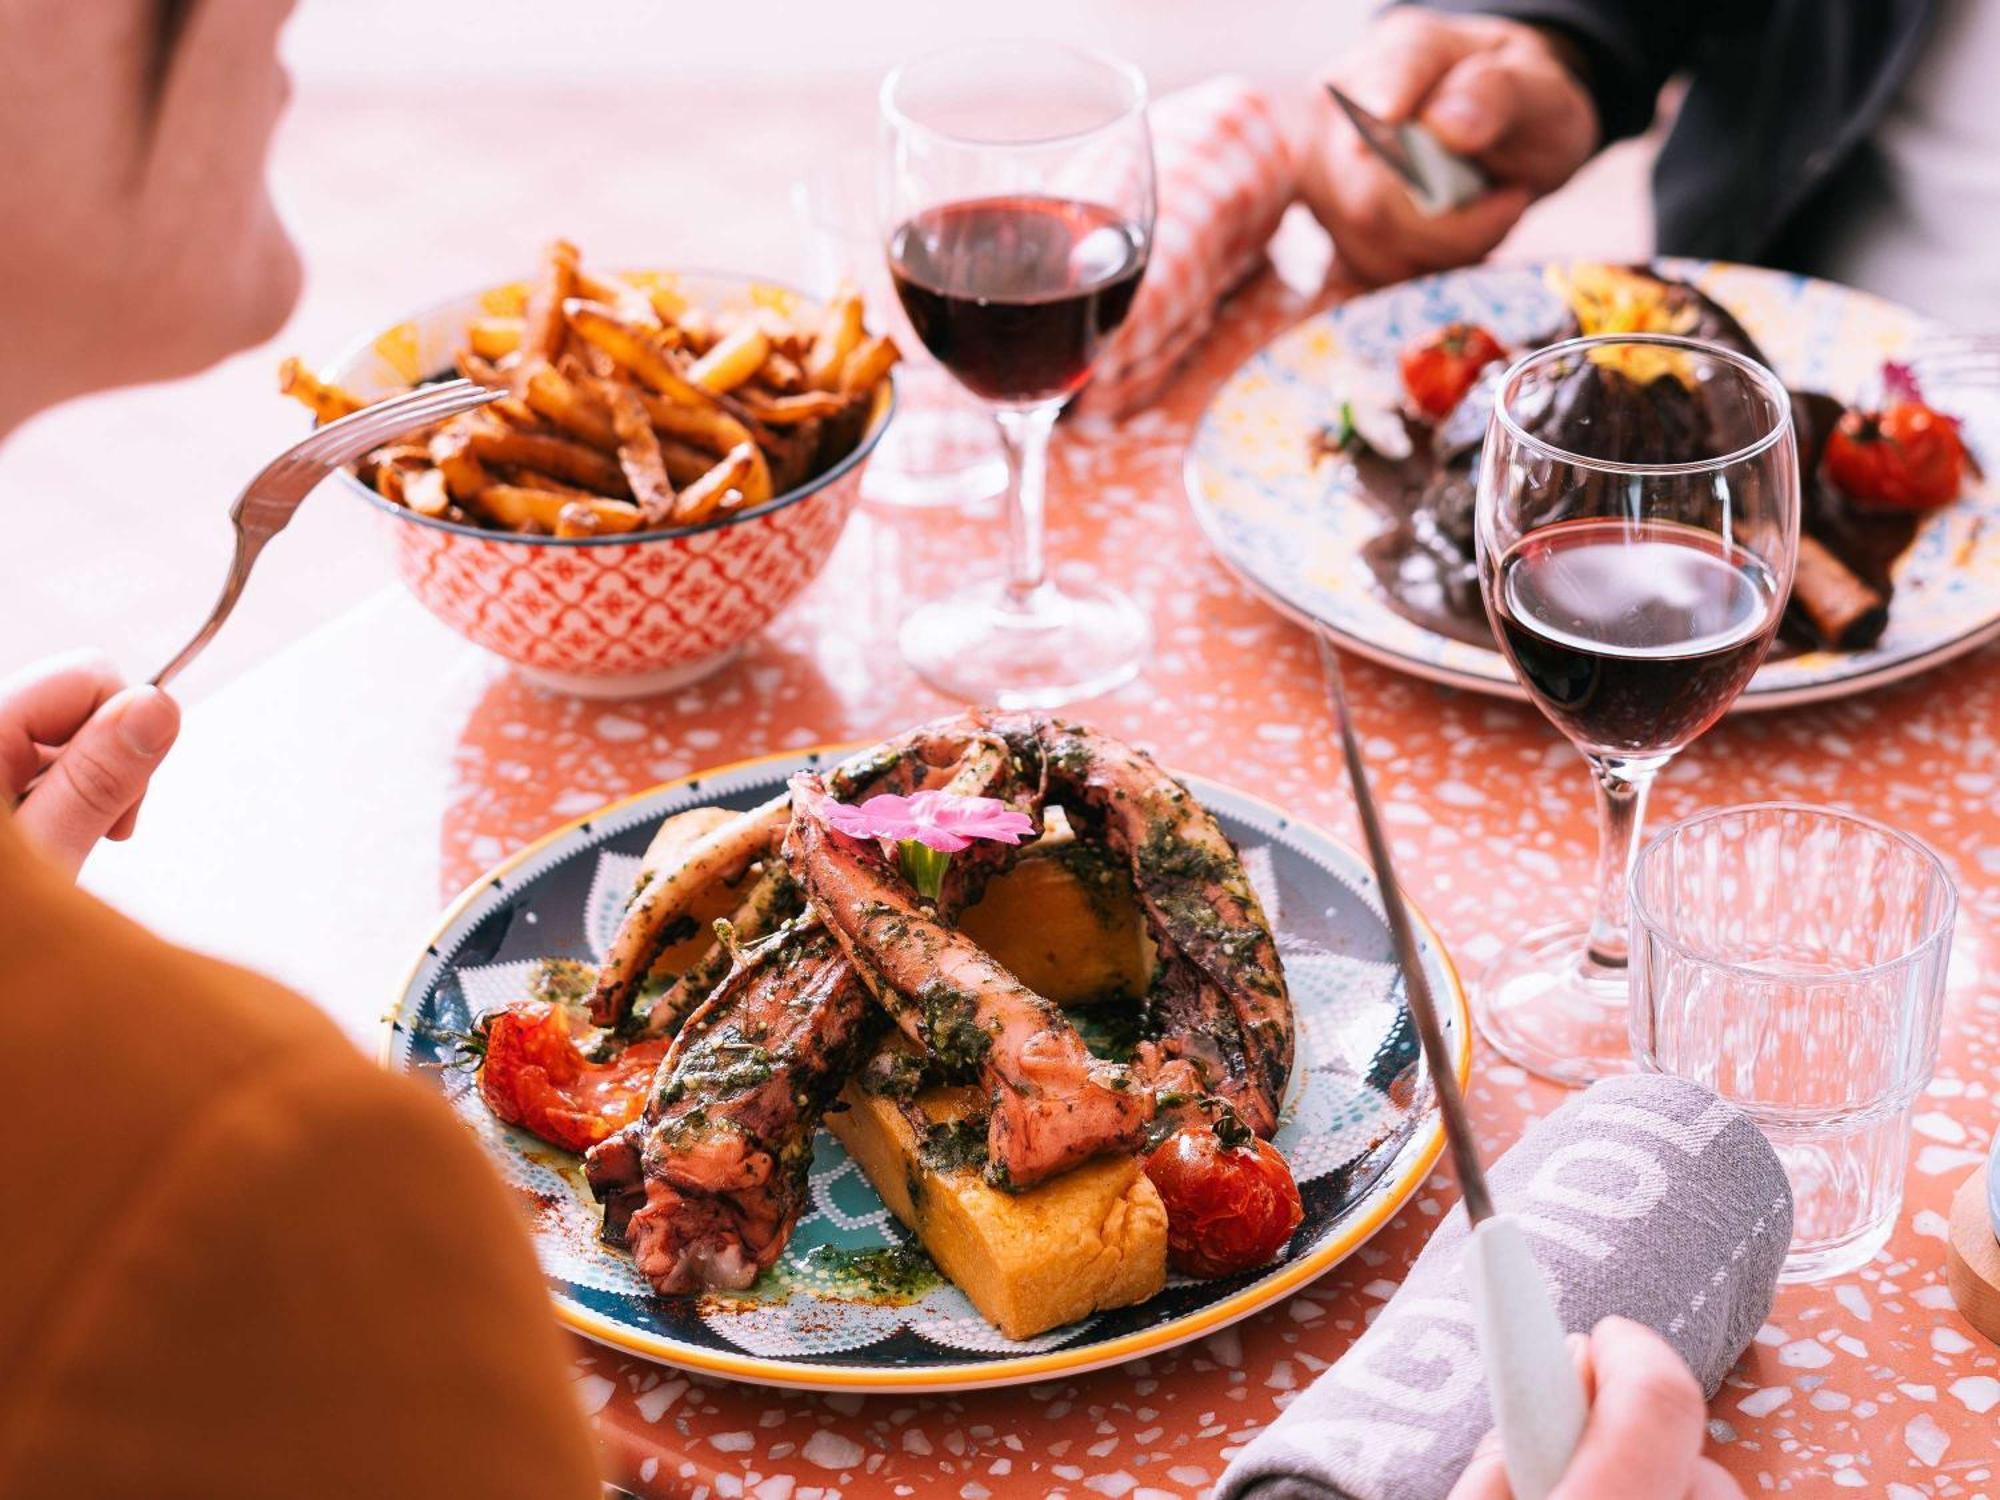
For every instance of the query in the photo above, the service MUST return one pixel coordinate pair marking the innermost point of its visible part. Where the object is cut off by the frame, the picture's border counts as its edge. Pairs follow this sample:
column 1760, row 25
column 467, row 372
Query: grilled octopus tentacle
column 707, row 1186
column 654, row 918
column 772, row 899
column 1220, row 1003
column 722, row 1155
column 1054, row 1105
column 659, row 910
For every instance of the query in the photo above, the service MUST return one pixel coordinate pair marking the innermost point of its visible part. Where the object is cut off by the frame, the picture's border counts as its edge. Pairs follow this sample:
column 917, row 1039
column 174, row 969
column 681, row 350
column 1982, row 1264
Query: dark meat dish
column 1423, row 561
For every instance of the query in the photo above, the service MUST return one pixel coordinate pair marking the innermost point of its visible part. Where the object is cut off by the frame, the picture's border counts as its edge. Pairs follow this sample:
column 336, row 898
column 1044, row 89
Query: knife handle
column 1538, row 1403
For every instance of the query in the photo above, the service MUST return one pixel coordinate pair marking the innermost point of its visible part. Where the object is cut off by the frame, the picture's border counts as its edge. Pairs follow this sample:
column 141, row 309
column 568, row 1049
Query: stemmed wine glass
column 1637, row 525
column 1018, row 196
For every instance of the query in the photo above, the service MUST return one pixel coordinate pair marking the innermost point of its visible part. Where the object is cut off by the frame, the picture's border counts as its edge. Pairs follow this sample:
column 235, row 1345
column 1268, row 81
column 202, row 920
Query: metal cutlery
column 1538, row 1402
column 1438, row 179
column 275, row 492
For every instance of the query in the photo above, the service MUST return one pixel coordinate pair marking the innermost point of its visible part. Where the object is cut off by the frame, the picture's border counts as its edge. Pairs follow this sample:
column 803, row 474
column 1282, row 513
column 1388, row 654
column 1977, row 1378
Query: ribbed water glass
column 1792, row 958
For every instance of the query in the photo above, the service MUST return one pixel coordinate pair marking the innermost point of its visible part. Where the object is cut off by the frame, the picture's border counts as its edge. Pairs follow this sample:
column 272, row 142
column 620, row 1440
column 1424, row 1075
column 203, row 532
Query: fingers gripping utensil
column 1437, row 178
column 1538, row 1402
column 275, row 492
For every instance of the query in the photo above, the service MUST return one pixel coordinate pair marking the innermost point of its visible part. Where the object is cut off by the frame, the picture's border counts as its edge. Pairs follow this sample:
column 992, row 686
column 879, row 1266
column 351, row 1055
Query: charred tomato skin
column 535, row 1076
column 1229, row 1208
column 1439, row 368
column 1903, row 457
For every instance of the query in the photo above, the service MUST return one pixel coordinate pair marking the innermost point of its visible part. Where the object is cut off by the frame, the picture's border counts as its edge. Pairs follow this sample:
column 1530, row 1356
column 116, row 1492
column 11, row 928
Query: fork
column 274, row 494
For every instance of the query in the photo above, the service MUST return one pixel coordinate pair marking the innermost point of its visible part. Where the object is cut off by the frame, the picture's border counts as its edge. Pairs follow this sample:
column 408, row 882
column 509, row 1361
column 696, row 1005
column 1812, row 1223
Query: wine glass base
column 1056, row 646
column 1544, row 1006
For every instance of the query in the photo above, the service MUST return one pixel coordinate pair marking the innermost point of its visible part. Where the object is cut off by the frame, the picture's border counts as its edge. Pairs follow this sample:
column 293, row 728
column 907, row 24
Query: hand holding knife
column 1437, row 179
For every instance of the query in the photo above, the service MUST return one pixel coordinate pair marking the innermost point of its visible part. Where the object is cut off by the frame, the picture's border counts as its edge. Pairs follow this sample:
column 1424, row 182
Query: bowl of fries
column 672, row 463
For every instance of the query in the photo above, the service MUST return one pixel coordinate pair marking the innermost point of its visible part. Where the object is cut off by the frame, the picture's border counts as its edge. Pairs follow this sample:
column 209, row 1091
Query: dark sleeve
column 1628, row 48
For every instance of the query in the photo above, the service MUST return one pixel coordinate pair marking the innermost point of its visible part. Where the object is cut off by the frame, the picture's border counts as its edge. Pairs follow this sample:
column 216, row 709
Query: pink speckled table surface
column 406, row 762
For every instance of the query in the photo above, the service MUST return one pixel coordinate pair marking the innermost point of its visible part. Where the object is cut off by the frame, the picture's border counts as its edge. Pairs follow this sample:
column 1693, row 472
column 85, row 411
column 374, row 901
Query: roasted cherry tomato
column 1229, row 1208
column 1905, row 456
column 1439, row 368
column 535, row 1076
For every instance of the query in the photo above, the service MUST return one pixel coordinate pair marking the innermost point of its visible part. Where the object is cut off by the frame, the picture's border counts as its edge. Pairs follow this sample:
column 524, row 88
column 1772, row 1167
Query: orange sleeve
column 319, row 1291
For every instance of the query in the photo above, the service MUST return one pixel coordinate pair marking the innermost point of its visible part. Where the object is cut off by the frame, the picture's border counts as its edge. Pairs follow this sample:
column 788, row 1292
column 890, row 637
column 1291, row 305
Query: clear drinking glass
column 1018, row 197
column 1792, row 959
column 1637, row 525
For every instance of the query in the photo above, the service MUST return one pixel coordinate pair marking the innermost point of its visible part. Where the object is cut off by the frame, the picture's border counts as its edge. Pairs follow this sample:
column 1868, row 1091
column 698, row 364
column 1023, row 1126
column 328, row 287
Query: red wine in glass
column 1633, row 638
column 1016, row 295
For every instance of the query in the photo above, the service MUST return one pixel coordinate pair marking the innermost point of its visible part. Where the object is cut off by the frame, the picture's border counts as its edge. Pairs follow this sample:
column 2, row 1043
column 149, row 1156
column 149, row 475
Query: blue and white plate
column 1294, row 531
column 1359, row 1129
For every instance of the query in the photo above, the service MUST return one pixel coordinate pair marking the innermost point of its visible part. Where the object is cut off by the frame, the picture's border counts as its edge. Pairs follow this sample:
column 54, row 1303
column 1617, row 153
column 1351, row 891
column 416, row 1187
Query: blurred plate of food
column 886, row 1251
column 672, row 465
column 1334, row 472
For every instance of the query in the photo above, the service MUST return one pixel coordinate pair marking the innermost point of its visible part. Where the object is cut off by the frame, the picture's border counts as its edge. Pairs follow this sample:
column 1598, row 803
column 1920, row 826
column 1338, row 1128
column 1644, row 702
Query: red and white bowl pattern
column 606, row 616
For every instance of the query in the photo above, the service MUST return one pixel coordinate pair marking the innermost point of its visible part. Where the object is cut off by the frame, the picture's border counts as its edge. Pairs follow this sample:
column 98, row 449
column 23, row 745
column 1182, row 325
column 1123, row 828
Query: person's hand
column 1496, row 91
column 1643, row 1437
column 77, row 749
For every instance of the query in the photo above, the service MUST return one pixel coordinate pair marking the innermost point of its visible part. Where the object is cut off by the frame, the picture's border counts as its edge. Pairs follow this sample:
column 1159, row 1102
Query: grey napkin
column 1645, row 1196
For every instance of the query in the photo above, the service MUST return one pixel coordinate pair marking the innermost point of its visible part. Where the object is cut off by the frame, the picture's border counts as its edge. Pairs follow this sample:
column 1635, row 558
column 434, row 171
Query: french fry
column 425, row 493
column 519, row 509
column 712, row 428
column 708, row 427
column 781, row 373
column 698, row 330
column 329, row 403
column 542, row 325
column 839, row 331
column 869, row 362
column 632, row 348
column 515, row 413
column 563, row 457
column 622, row 401
column 791, row 451
column 639, row 453
column 618, row 293
column 790, row 411
column 731, row 360
column 685, row 463
column 493, row 338
column 451, row 451
column 705, row 496
column 535, row 479
column 560, row 401
column 475, row 367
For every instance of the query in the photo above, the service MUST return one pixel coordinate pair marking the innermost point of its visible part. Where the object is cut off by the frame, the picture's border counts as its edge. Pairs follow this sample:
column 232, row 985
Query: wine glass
column 1018, row 196
column 1637, row 526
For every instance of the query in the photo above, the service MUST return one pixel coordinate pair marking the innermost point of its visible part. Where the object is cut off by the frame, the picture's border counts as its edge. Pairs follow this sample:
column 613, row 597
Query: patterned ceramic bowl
column 607, row 616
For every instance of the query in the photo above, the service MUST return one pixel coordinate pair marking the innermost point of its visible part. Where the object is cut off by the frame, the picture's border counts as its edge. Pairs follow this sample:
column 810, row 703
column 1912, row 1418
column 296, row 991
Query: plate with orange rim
column 1296, row 531
column 1359, row 1125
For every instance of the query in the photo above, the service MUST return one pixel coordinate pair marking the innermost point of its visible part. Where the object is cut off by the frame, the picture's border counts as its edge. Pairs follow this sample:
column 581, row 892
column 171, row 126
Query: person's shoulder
column 321, row 1250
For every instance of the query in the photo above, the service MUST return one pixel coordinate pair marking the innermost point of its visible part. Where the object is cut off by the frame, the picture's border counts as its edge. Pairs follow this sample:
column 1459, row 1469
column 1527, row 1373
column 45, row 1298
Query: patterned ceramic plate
column 1296, row 533
column 1355, row 1142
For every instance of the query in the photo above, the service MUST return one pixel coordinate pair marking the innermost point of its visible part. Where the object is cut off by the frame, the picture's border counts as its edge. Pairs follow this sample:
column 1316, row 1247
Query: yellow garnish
column 1611, row 300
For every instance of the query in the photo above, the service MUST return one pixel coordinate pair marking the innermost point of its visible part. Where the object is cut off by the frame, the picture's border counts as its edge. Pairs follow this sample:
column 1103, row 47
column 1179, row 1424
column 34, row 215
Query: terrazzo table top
column 406, row 762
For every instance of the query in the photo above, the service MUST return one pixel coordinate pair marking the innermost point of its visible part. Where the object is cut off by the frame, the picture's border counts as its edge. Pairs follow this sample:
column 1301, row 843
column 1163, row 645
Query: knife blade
column 1538, row 1402
column 1436, row 178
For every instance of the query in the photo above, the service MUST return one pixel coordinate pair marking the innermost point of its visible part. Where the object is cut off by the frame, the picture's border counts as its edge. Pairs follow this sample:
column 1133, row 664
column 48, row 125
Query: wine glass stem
column 1024, row 433
column 1622, row 786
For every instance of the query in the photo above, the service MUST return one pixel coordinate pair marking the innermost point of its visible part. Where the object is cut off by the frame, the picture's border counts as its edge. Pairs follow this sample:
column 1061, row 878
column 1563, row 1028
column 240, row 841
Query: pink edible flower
column 937, row 820
column 1899, row 382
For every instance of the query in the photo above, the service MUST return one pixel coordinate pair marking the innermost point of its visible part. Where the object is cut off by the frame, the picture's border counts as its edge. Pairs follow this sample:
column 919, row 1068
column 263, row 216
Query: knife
column 1538, row 1402
column 1437, row 178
